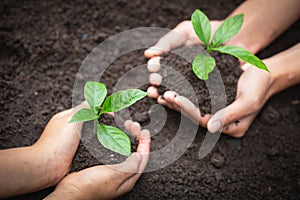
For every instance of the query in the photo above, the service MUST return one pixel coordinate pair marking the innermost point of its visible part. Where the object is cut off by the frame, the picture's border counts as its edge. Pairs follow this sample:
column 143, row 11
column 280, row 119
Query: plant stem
column 95, row 125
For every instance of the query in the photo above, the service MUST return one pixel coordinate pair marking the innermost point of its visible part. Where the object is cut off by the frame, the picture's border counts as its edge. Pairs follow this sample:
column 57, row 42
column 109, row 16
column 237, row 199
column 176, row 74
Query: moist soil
column 42, row 47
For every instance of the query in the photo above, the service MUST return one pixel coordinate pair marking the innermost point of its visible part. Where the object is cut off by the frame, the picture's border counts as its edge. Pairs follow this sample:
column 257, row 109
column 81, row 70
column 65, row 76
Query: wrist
column 66, row 192
column 284, row 71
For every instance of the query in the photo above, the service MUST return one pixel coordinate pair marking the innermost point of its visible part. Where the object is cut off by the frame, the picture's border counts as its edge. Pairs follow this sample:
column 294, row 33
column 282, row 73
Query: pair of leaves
column 95, row 93
column 225, row 31
column 110, row 137
column 204, row 64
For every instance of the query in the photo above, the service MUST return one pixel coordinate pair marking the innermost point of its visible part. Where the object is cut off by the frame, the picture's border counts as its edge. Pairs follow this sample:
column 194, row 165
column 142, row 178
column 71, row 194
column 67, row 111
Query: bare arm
column 44, row 164
column 264, row 21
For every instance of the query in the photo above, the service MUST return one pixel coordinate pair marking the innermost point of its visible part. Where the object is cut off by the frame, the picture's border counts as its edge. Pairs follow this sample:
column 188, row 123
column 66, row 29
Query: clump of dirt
column 226, row 65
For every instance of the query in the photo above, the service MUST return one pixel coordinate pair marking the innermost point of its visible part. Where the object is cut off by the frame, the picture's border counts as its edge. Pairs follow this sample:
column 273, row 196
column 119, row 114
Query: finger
column 162, row 101
column 128, row 168
column 240, row 127
column 72, row 111
column 135, row 128
column 153, row 64
column 235, row 111
column 171, row 40
column 191, row 111
column 244, row 65
column 152, row 92
column 144, row 149
column 144, row 145
column 127, row 124
column 155, row 79
column 169, row 97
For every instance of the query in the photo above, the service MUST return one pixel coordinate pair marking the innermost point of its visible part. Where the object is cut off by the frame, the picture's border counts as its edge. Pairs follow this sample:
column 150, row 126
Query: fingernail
column 138, row 156
column 150, row 50
column 145, row 134
column 215, row 126
column 177, row 101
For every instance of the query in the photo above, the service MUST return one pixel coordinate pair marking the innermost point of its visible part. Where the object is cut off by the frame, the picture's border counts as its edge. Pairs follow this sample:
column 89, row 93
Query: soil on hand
column 42, row 47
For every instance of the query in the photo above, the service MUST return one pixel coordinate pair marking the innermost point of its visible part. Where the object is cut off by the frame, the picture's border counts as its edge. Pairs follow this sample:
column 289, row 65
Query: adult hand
column 253, row 91
column 46, row 162
column 254, row 88
column 182, row 35
column 107, row 182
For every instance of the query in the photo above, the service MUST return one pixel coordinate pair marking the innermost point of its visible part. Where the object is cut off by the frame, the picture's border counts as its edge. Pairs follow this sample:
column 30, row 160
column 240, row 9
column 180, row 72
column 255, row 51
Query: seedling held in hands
column 110, row 137
column 204, row 64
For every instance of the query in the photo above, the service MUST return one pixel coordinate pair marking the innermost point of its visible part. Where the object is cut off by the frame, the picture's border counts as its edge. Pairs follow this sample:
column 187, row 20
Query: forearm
column 66, row 193
column 44, row 164
column 264, row 21
column 25, row 170
column 285, row 69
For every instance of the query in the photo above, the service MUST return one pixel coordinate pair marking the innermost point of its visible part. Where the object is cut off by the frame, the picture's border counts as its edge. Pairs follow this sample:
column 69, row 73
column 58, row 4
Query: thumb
column 171, row 40
column 232, row 113
column 130, row 166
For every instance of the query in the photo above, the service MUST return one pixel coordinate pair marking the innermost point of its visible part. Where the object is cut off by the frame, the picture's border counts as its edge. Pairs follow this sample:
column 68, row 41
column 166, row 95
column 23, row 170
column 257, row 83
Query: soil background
column 42, row 47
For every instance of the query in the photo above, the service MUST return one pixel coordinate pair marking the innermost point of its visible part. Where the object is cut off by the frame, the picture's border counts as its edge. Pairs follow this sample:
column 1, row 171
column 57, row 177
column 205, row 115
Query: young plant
column 110, row 137
column 204, row 64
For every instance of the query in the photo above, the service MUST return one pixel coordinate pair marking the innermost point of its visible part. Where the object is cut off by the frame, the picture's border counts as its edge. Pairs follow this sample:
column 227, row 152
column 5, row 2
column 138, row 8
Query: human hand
column 254, row 88
column 252, row 93
column 107, row 182
column 182, row 35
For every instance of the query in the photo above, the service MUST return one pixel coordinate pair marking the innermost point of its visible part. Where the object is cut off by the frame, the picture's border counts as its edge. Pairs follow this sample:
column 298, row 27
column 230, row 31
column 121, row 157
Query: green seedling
column 110, row 137
column 204, row 64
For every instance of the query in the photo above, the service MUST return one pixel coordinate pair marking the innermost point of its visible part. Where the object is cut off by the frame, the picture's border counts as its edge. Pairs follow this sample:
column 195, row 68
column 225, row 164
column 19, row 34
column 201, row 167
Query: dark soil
column 229, row 70
column 42, row 47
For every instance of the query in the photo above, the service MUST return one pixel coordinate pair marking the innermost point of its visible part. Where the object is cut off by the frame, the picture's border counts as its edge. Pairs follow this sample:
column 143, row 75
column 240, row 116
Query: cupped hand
column 253, row 90
column 182, row 35
column 236, row 118
column 111, row 181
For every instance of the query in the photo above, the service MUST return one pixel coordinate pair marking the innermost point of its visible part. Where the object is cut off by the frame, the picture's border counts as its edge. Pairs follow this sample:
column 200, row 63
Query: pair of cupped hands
column 253, row 89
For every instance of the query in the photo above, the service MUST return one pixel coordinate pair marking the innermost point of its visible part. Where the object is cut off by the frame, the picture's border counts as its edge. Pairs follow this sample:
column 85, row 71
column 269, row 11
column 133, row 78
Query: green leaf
column 201, row 26
column 242, row 54
column 95, row 93
column 114, row 139
column 203, row 65
column 122, row 99
column 83, row 115
column 229, row 28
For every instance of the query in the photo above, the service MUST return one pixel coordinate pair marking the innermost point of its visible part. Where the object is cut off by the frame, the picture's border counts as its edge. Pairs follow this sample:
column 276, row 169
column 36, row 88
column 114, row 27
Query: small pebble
column 65, row 89
column 45, row 112
column 60, row 108
column 29, row 111
column 85, row 36
column 219, row 176
column 234, row 178
column 217, row 160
